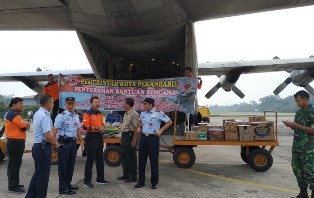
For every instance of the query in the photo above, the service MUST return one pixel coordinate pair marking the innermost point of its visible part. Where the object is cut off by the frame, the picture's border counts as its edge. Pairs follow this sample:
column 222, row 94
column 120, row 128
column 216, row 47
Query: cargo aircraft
column 144, row 39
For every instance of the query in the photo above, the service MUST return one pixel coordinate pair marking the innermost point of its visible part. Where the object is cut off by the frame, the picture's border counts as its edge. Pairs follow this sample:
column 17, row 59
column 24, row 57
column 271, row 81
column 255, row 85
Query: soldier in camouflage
column 303, row 144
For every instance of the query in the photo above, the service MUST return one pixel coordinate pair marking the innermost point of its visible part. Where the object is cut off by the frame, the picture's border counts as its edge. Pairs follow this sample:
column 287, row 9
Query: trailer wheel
column 243, row 152
column 113, row 155
column 260, row 160
column 184, row 157
column 2, row 155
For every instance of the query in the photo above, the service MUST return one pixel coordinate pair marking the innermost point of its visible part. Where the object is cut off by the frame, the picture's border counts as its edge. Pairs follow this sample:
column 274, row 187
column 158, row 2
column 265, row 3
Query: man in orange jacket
column 93, row 123
column 15, row 129
column 52, row 88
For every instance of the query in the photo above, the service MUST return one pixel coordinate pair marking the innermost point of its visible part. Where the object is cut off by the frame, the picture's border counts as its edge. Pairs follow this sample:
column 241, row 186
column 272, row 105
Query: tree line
column 4, row 106
column 271, row 102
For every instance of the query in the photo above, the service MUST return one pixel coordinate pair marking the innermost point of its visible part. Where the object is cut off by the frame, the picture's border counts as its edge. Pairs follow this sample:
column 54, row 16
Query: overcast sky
column 286, row 34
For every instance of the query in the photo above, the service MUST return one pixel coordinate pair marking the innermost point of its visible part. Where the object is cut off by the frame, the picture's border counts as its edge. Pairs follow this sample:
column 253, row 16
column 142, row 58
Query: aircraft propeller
column 234, row 88
column 213, row 90
column 282, row 86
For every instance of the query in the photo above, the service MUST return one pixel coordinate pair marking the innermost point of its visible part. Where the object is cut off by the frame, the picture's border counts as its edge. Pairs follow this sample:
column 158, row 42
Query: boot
column 303, row 193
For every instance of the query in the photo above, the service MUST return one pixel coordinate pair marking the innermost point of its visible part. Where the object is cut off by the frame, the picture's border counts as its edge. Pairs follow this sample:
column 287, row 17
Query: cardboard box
column 263, row 130
column 194, row 128
column 231, row 136
column 215, row 127
column 216, row 134
column 257, row 119
column 245, row 133
column 242, row 123
column 202, row 127
column 201, row 135
column 230, row 126
column 225, row 120
column 191, row 135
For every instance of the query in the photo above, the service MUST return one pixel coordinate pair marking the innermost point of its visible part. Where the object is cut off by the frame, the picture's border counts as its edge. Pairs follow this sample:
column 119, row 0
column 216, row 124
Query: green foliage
column 271, row 102
column 4, row 106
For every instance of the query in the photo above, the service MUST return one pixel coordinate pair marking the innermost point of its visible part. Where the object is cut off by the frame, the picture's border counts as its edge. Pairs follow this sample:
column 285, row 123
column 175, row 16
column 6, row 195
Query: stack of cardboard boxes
column 257, row 129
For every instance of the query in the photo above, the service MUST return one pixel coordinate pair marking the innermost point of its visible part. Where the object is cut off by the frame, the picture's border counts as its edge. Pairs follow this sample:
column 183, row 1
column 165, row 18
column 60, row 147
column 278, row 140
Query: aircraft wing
column 36, row 80
column 257, row 66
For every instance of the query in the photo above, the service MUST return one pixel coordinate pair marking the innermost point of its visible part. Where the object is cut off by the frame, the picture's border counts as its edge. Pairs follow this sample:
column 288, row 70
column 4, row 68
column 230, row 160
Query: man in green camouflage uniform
column 303, row 144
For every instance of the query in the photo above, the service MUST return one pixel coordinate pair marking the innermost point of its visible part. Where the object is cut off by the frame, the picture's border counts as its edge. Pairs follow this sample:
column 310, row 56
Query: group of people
column 144, row 128
column 67, row 125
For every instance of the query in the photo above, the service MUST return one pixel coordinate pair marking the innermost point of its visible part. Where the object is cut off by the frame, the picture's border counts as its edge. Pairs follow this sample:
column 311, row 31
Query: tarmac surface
column 218, row 172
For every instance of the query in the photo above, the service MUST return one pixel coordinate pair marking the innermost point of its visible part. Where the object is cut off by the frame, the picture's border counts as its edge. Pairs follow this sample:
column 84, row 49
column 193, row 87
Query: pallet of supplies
column 245, row 133
column 216, row 134
column 230, row 126
column 263, row 130
column 201, row 135
column 191, row 135
column 231, row 136
column 202, row 127
column 257, row 119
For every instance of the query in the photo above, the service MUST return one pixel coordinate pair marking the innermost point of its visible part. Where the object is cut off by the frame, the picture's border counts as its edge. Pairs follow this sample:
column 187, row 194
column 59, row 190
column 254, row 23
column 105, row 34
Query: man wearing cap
column 67, row 124
column 150, row 121
column 93, row 123
column 15, row 129
column 128, row 142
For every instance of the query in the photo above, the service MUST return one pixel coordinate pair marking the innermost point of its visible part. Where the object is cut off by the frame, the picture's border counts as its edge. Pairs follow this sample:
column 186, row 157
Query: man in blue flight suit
column 41, row 151
column 113, row 117
column 67, row 124
column 150, row 121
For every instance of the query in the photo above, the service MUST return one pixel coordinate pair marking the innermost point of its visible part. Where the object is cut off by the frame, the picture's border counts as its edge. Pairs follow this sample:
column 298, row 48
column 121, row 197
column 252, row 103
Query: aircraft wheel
column 184, row 157
column 113, row 155
column 260, row 160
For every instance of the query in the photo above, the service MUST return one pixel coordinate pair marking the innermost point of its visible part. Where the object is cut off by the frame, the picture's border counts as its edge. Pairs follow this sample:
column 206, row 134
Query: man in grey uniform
column 128, row 142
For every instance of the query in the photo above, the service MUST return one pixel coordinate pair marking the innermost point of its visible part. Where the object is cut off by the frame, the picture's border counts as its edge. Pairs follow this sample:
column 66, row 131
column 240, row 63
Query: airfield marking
column 239, row 181
column 243, row 181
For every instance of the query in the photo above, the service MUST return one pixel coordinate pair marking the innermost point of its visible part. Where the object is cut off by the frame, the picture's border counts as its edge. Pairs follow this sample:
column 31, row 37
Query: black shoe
column 130, row 179
column 122, row 178
column 89, row 185
column 71, row 187
column 139, row 185
column 68, row 192
column 17, row 190
column 154, row 186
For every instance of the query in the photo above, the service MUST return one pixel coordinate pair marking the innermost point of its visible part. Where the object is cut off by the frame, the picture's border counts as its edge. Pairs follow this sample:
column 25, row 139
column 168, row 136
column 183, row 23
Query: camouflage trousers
column 303, row 167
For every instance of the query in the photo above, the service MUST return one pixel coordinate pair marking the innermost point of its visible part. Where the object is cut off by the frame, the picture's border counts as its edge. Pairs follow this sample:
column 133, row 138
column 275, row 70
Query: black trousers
column 55, row 110
column 94, row 148
column 129, row 161
column 15, row 150
column 66, row 162
column 39, row 182
column 149, row 147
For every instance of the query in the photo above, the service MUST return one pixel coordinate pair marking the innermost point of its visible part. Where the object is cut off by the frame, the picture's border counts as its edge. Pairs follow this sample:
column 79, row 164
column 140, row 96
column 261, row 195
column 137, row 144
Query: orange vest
column 92, row 118
column 15, row 126
column 52, row 89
